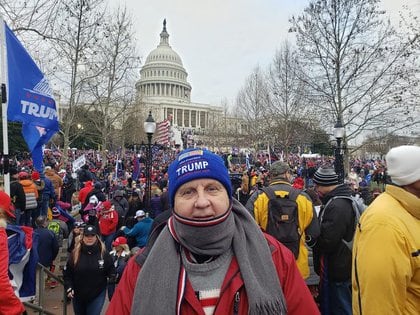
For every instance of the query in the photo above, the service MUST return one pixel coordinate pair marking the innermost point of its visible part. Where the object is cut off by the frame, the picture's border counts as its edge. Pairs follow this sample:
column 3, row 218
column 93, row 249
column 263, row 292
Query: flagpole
column 3, row 80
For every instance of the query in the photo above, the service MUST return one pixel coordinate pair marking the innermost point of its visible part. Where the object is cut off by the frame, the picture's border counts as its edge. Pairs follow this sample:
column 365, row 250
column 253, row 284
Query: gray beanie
column 326, row 176
column 403, row 164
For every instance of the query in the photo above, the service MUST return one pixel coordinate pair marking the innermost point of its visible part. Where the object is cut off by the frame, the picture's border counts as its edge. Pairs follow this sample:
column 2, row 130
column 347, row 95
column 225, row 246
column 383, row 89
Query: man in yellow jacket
column 308, row 226
column 386, row 251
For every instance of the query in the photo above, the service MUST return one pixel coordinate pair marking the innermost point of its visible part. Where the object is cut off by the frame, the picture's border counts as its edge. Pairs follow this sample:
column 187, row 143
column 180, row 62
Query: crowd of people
column 198, row 244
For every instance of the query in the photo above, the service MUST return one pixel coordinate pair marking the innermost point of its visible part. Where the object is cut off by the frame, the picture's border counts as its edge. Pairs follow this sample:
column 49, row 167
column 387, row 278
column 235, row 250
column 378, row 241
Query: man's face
column 78, row 229
column 322, row 190
column 201, row 199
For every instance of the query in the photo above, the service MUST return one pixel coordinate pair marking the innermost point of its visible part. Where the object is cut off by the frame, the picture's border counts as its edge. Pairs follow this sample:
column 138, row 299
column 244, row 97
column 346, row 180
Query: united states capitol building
column 164, row 90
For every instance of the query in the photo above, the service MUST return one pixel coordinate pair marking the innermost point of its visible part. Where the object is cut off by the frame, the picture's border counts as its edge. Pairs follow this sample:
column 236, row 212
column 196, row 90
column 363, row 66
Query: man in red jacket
column 211, row 257
column 108, row 220
column 9, row 302
column 84, row 192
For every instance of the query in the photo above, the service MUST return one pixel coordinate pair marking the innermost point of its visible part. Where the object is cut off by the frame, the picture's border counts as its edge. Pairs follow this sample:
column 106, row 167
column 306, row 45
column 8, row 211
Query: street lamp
column 339, row 132
column 149, row 129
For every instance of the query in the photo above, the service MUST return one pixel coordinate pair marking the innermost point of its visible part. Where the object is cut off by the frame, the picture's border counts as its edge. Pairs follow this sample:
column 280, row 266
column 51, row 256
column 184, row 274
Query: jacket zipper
column 222, row 291
column 236, row 303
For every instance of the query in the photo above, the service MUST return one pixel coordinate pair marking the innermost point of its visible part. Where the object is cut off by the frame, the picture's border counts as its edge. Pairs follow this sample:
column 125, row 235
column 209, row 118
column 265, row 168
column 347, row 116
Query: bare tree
column 71, row 57
column 116, row 63
column 288, row 98
column 379, row 142
column 30, row 16
column 252, row 104
column 61, row 36
column 354, row 63
column 410, row 27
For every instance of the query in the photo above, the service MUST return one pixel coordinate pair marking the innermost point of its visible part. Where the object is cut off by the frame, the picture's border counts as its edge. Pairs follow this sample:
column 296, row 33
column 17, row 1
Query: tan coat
column 56, row 180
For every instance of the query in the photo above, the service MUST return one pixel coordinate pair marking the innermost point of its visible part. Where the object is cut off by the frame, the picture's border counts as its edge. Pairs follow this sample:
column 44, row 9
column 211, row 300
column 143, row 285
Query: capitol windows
column 186, row 118
column 179, row 117
column 203, row 120
column 193, row 118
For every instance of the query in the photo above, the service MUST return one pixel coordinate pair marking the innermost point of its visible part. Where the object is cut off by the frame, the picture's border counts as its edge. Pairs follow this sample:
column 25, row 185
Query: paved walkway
column 54, row 302
column 53, row 297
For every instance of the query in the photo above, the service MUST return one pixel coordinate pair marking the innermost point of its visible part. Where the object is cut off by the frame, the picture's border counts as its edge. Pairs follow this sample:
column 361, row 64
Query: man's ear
column 3, row 222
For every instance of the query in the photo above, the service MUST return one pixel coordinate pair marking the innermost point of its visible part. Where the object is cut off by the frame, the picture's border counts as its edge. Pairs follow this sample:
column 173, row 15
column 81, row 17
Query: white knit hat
column 403, row 164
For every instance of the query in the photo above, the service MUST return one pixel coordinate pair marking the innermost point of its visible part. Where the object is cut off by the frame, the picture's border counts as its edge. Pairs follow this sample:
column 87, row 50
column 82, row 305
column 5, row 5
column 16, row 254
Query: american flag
column 162, row 136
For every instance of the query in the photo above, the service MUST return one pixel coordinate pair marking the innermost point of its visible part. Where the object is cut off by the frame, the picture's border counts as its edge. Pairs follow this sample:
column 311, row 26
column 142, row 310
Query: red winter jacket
column 108, row 222
column 298, row 298
column 9, row 302
column 85, row 191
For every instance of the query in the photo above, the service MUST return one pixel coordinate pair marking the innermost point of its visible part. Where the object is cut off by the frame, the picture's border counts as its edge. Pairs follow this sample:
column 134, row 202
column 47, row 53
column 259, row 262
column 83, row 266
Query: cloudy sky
column 221, row 41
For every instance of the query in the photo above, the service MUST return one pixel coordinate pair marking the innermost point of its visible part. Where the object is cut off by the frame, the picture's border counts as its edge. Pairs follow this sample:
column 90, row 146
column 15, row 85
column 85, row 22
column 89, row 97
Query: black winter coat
column 17, row 194
column 337, row 223
column 90, row 276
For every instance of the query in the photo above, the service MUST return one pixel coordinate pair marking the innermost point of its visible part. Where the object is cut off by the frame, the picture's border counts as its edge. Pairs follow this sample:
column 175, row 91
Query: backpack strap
column 292, row 195
column 270, row 192
column 354, row 207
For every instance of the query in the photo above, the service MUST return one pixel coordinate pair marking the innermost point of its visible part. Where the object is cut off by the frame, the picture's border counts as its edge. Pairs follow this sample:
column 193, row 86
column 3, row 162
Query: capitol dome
column 163, row 74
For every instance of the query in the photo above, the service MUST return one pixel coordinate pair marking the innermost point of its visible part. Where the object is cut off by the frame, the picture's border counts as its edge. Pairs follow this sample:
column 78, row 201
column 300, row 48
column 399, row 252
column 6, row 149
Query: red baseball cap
column 120, row 240
column 6, row 204
column 23, row 175
column 35, row 175
column 107, row 204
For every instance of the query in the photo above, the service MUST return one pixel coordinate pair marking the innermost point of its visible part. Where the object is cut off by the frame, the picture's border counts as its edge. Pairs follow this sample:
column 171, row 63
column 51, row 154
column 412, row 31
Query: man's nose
column 202, row 198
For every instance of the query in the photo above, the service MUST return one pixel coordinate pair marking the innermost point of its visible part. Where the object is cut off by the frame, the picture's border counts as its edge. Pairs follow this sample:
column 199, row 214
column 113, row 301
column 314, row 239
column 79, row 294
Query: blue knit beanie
column 193, row 164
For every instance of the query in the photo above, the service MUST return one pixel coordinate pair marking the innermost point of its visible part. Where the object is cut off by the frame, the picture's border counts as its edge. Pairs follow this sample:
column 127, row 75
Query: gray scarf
column 158, row 288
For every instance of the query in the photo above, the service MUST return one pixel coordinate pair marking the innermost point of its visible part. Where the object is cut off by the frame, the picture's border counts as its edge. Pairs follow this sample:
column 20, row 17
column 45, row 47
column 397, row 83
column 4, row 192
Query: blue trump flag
column 30, row 98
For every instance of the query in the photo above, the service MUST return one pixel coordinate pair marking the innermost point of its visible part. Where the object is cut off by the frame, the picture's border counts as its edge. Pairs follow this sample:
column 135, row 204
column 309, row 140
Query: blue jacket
column 140, row 231
column 49, row 188
column 47, row 246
